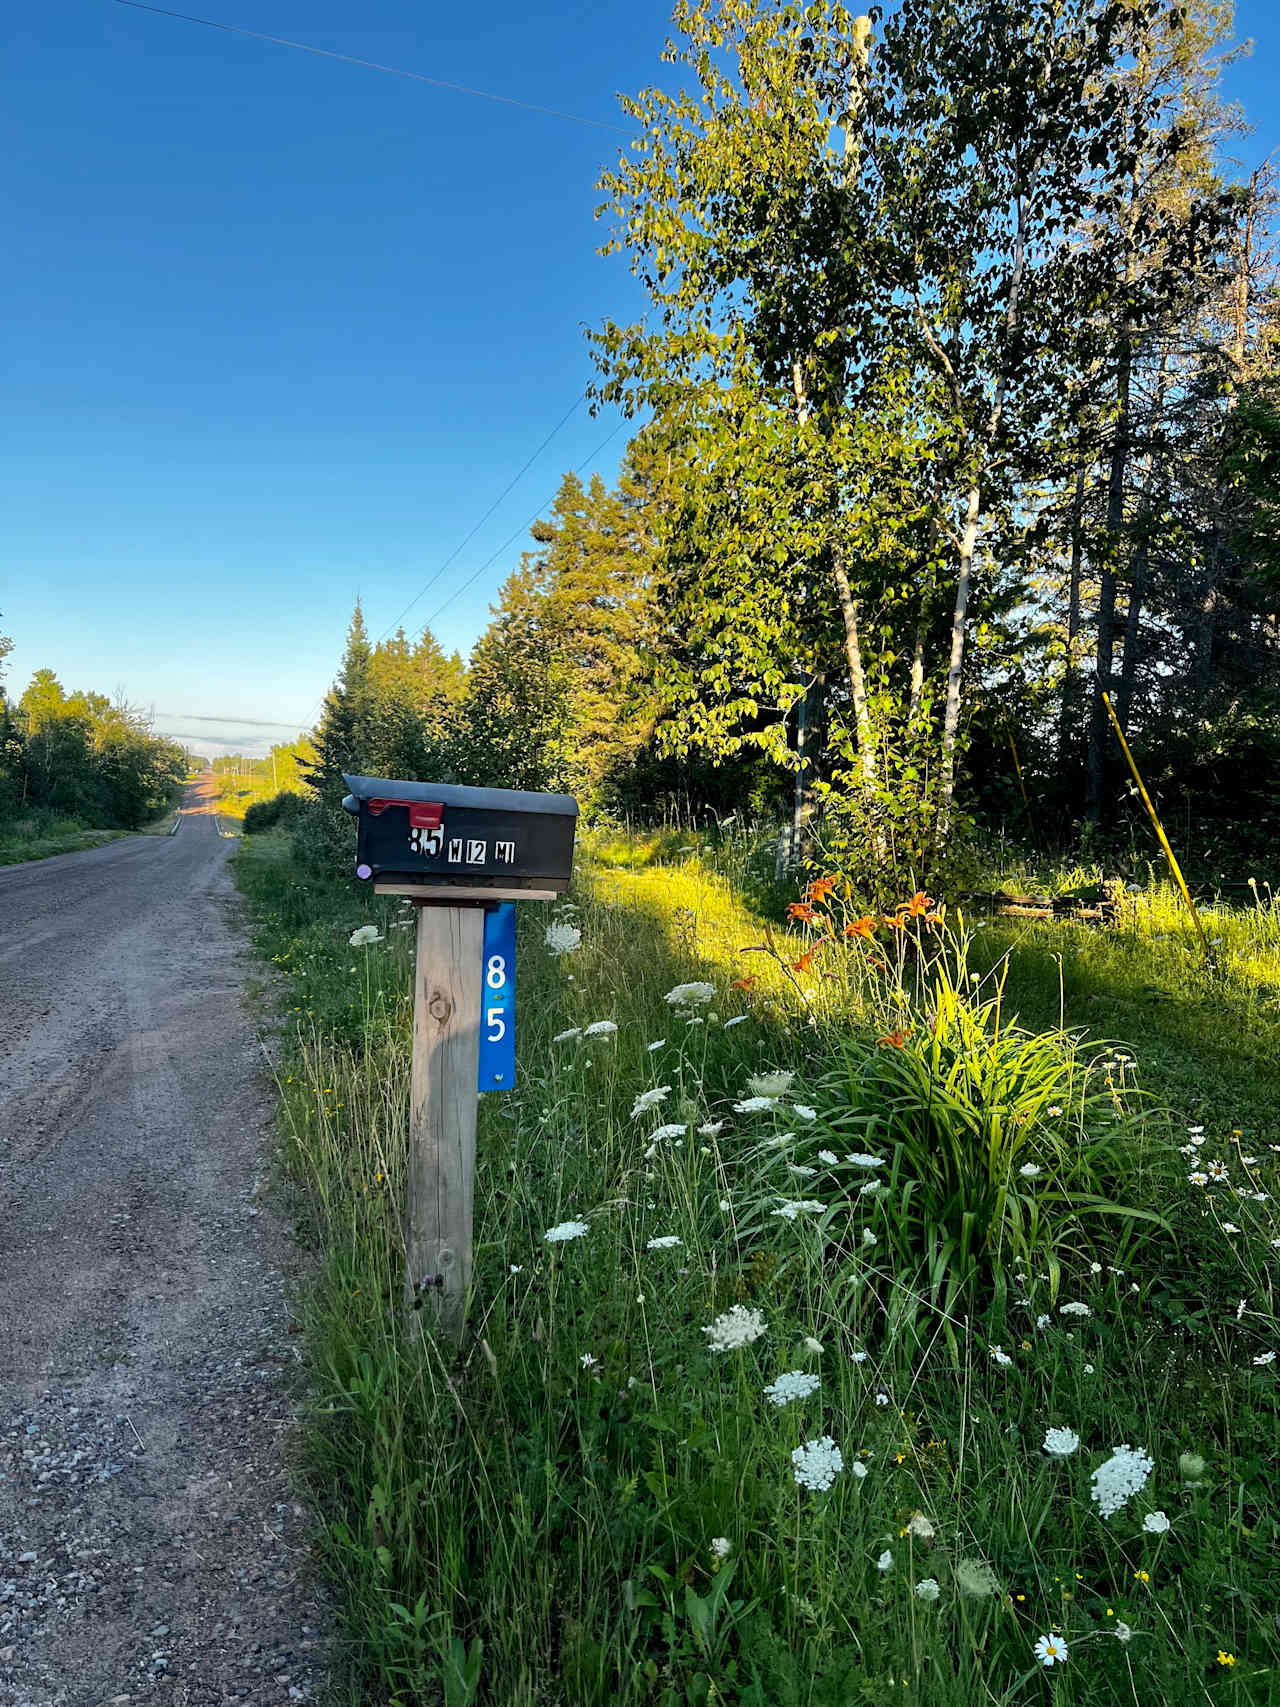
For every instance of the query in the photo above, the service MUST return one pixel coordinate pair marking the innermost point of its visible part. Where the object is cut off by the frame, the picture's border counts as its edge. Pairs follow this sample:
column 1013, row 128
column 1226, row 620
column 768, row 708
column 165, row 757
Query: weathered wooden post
column 462, row 854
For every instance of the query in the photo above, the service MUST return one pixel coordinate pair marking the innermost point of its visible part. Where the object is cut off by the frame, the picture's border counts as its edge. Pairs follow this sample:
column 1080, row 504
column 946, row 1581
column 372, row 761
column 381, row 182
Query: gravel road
column 150, row 1549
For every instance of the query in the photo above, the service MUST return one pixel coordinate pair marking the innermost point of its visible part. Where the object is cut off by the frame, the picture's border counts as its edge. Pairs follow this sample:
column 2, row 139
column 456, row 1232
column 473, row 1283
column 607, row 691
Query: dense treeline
column 962, row 395
column 82, row 756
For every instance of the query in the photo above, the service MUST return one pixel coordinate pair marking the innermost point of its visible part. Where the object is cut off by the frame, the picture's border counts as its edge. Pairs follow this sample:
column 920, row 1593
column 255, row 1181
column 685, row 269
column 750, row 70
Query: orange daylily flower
column 865, row 928
column 895, row 1039
column 742, row 983
column 919, row 904
column 821, row 889
column 801, row 910
column 894, row 921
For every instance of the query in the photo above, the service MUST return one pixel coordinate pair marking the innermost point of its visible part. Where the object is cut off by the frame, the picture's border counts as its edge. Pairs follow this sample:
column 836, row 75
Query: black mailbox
column 436, row 836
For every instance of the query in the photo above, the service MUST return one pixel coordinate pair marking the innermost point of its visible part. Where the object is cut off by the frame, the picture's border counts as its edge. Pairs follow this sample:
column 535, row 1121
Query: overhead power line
column 240, row 722
column 373, row 65
column 510, row 540
column 461, row 546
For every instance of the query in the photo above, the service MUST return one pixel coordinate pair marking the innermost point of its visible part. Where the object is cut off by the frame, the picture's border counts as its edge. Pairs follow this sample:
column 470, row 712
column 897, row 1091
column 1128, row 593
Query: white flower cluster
column 802, row 1111
column 690, row 995
column 648, row 1099
column 1074, row 1309
column 562, row 938
column 673, row 1129
column 1061, row 1442
column 600, row 1028
column 567, row 1036
column 797, row 1385
column 817, row 1463
column 737, row 1327
column 753, row 1105
column 664, row 1242
column 363, row 935
column 800, row 1206
column 860, row 1159
column 770, row 1085
column 1122, row 1476
column 565, row 1230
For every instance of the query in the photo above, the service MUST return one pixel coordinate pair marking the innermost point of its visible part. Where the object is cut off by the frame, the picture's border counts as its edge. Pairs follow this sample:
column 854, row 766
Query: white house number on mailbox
column 427, row 841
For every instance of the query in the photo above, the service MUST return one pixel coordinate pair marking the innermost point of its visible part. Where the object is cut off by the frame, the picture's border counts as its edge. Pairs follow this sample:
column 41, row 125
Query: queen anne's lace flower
column 919, row 1526
column 800, row 1206
column 802, row 1111
column 710, row 1128
column 1117, row 1480
column 753, row 1105
column 860, row 1159
column 600, row 1028
column 885, row 1561
column 798, row 1384
column 648, row 1099
column 567, row 1036
column 737, row 1327
column 1061, row 1442
column 664, row 1242
column 565, row 1230
column 828, row 1157
column 562, row 938
column 695, row 995
column 363, row 935
column 817, row 1463
column 1156, row 1523
column 770, row 1085
column 928, row 1589
column 1076, row 1308
column 870, row 1188
column 673, row 1129
column 738, row 1019
column 721, row 1547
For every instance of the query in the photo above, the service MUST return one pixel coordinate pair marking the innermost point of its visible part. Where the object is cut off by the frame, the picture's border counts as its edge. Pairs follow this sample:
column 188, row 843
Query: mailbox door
column 458, row 843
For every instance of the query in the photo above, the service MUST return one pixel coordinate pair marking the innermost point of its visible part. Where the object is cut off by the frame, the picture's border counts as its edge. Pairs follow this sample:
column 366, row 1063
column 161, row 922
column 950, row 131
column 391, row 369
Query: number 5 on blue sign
column 498, row 1009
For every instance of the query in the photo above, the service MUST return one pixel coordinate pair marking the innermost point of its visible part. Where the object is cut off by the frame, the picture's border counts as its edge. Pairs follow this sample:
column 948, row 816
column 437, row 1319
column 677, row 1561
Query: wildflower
column 600, row 1028
column 1225, row 1659
column 1061, row 1442
column 673, row 1129
column 813, row 1345
column 737, row 1327
column 975, row 1578
column 738, row 1019
column 588, row 1361
column 696, row 995
column 817, row 1463
column 753, row 1105
column 1088, row 1369
column 871, row 1187
column 928, row 1589
column 562, row 937
column 1218, row 1171
column 860, row 1159
column 821, row 889
column 786, row 1388
column 1191, row 1465
column 885, row 1561
column 664, row 1242
column 363, row 935
column 1230, row 1227
column 894, row 1039
column 725, row 1206
column 1197, row 1178
column 648, row 1099
column 1051, row 1650
column 919, row 1526
column 857, row 1357
column 882, row 1398
column 1142, row 1576
column 1043, row 1322
column 1156, row 1523
column 1074, row 1309
column 1029, row 1170
column 802, row 1111
column 800, row 1206
column 770, row 1085
column 998, row 1355
column 1262, row 1361
column 864, row 928
column 868, row 1237
column 1117, row 1480
column 565, row 1230
column 721, row 1547
column 660, row 1043
column 1054, row 1111
column 859, row 1469
column 567, row 1036
column 802, row 911
column 710, row 1128
column 516, row 1268
column 800, row 1170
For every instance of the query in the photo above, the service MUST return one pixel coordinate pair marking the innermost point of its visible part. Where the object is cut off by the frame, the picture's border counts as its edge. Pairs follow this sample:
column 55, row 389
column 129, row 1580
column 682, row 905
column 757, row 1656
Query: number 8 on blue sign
column 498, row 1028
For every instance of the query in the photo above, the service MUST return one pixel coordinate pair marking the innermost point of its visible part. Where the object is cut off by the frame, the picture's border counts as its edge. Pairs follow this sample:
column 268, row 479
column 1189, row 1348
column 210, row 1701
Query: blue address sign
column 498, row 1008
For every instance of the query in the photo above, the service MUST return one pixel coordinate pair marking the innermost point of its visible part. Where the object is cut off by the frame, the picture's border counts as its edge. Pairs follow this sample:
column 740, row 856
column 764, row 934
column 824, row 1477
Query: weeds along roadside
column 596, row 1504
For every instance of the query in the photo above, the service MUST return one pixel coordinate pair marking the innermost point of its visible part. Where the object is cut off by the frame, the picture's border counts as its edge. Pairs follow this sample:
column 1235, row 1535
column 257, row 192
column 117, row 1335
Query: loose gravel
column 151, row 1549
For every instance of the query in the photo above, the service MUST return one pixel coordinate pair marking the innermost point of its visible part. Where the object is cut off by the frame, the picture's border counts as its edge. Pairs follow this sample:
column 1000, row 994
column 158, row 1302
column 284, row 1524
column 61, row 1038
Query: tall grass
column 591, row 1503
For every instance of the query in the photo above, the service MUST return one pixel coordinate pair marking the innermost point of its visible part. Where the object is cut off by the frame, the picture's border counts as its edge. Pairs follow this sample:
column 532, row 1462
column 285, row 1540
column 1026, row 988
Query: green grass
column 530, row 1520
column 38, row 835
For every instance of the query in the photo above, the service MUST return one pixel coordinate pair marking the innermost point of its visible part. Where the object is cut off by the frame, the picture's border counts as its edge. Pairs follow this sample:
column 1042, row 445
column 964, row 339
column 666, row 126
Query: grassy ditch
column 40, row 834
column 838, row 1241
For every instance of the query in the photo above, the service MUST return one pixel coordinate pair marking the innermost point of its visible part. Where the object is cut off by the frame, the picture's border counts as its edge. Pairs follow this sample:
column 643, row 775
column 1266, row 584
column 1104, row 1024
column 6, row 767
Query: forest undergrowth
column 875, row 1307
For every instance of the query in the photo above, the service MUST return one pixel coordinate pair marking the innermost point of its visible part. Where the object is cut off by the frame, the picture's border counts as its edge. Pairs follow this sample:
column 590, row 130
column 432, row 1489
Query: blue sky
column 278, row 330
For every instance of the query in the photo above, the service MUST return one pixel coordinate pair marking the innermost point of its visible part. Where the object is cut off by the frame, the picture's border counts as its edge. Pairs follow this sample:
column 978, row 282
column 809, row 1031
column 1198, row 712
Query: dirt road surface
column 150, row 1549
